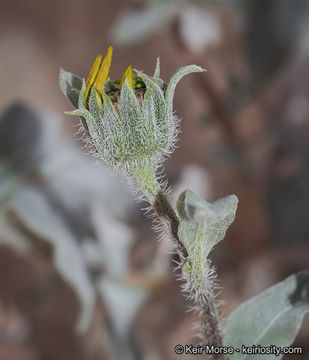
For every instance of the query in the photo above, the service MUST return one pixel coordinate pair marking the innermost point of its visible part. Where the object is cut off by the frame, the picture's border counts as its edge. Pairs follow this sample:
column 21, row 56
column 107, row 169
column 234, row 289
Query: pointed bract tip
column 127, row 75
column 94, row 70
column 70, row 113
column 157, row 70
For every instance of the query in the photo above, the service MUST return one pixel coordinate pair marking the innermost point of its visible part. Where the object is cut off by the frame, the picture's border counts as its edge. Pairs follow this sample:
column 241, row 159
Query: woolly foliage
column 202, row 225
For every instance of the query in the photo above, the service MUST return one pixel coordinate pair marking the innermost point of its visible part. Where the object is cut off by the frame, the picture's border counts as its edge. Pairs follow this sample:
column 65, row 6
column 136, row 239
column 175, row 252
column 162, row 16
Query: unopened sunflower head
column 129, row 119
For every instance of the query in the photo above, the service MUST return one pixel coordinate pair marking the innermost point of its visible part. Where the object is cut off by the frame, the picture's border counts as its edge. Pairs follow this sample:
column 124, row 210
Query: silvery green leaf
column 136, row 25
column 35, row 213
column 273, row 317
column 202, row 225
column 70, row 85
column 174, row 81
column 216, row 216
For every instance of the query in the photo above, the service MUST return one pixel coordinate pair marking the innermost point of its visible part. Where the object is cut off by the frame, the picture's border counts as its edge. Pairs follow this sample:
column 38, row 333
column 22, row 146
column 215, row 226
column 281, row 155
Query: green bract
column 128, row 120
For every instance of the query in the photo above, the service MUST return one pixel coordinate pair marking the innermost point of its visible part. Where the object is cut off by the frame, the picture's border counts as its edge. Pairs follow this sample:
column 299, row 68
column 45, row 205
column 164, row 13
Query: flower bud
column 127, row 120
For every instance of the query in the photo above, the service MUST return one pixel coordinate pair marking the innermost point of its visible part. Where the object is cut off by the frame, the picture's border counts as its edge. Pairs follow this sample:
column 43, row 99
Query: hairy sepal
column 132, row 118
column 174, row 81
column 118, row 143
column 91, row 121
column 152, row 134
column 166, row 127
column 170, row 119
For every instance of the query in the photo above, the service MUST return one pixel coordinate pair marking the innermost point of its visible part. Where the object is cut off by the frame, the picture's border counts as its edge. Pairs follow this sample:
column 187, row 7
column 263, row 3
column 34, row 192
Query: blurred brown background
column 245, row 128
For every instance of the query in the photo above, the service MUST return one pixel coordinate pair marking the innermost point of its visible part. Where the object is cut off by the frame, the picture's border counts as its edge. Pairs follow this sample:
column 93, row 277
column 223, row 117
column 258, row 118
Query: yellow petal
column 104, row 71
column 128, row 74
column 92, row 75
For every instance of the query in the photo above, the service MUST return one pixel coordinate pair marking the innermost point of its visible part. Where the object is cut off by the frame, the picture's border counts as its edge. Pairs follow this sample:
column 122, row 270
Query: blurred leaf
column 35, row 213
column 20, row 143
column 287, row 197
column 136, row 25
column 273, row 30
column 116, row 239
column 70, row 85
column 122, row 302
column 75, row 177
column 273, row 317
column 196, row 178
column 20, row 147
column 9, row 182
column 199, row 28
column 11, row 236
column 287, row 201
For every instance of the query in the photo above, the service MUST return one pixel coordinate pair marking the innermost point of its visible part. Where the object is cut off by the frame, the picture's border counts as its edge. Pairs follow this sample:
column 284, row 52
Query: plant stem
column 210, row 330
column 144, row 175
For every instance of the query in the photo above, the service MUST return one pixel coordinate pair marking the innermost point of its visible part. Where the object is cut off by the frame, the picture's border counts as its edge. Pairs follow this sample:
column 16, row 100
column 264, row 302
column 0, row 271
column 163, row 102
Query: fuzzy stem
column 145, row 178
column 209, row 319
column 144, row 175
